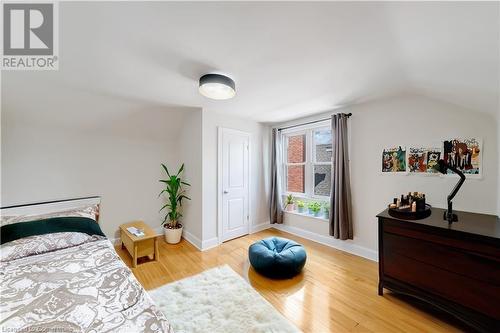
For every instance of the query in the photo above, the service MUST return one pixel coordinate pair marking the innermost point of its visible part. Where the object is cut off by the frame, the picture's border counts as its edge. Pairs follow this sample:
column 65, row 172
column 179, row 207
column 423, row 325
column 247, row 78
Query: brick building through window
column 308, row 156
column 296, row 153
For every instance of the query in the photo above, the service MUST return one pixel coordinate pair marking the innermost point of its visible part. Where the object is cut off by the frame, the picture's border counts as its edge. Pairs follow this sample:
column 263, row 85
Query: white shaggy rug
column 218, row 301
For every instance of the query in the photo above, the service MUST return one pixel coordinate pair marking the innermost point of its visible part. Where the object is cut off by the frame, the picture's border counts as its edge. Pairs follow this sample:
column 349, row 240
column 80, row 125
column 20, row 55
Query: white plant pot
column 173, row 236
column 290, row 207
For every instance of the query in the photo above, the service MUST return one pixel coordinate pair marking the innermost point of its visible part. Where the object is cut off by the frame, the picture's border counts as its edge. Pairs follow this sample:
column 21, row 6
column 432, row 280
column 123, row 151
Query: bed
column 59, row 273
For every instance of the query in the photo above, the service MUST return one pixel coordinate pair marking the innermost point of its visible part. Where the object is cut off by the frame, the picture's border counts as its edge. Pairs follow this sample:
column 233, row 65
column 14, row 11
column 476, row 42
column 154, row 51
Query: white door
column 234, row 174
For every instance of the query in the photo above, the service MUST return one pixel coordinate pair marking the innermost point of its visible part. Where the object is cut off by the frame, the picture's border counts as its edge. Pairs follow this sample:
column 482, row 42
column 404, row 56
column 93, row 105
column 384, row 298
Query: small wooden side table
column 146, row 245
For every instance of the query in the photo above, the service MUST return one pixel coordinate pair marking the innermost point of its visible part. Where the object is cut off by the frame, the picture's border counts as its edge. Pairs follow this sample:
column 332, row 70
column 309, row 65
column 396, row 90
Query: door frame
column 220, row 132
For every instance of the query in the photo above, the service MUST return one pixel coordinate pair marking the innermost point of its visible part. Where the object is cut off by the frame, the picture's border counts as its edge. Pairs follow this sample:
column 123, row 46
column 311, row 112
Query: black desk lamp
column 442, row 167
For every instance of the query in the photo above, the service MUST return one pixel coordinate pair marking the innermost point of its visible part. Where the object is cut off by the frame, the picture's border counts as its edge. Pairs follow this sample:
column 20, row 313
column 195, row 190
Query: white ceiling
column 288, row 59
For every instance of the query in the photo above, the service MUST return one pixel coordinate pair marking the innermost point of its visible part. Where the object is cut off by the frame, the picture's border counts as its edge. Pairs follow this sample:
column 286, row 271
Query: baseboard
column 213, row 242
column 195, row 241
column 198, row 243
column 260, row 227
column 209, row 243
column 345, row 246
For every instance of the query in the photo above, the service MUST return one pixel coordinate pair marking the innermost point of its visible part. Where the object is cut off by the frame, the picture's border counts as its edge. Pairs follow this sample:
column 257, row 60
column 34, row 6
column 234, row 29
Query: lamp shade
column 216, row 86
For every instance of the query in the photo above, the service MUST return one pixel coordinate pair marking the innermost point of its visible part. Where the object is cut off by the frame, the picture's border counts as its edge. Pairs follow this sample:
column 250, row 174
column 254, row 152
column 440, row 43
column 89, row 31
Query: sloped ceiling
column 288, row 59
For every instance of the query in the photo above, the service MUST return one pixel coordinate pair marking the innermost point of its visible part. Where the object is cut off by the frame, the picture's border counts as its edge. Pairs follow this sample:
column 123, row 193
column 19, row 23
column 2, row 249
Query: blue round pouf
column 277, row 257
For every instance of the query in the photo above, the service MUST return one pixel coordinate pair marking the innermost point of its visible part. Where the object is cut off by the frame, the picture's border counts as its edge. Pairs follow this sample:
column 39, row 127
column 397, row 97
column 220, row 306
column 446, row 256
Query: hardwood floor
column 336, row 292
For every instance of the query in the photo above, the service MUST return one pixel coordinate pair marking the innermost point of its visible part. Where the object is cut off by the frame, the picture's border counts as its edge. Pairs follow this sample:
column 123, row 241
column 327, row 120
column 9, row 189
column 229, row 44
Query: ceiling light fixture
column 216, row 86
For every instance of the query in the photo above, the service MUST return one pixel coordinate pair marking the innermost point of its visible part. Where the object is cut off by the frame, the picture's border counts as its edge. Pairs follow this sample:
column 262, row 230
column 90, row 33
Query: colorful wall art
column 394, row 159
column 433, row 156
column 417, row 160
column 464, row 154
column 423, row 160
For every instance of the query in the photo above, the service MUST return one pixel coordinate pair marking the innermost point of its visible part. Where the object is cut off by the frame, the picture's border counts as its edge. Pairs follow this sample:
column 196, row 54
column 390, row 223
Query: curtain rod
column 310, row 122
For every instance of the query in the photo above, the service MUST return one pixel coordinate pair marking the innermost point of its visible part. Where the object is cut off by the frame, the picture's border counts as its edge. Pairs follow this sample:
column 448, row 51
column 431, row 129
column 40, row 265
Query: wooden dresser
column 455, row 268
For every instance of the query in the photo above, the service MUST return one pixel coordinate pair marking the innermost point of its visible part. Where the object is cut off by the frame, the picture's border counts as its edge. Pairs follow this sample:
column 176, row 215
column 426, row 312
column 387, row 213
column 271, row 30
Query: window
column 307, row 163
column 295, row 163
column 322, row 142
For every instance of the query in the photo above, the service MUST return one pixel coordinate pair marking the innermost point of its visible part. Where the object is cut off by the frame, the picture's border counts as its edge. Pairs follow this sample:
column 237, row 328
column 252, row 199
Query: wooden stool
column 146, row 245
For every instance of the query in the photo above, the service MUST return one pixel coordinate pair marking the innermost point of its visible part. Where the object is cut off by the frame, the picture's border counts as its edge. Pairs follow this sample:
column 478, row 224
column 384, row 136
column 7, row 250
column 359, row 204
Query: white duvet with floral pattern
column 71, row 282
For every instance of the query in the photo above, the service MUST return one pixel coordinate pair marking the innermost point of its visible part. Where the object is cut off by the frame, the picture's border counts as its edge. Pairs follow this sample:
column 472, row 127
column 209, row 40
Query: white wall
column 42, row 161
column 413, row 120
column 317, row 229
column 118, row 159
column 190, row 153
column 259, row 177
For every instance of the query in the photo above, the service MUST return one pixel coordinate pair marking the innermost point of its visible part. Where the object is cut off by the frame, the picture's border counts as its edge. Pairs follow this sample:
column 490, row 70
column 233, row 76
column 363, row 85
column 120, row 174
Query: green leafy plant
column 289, row 200
column 300, row 204
column 174, row 188
column 326, row 209
column 314, row 206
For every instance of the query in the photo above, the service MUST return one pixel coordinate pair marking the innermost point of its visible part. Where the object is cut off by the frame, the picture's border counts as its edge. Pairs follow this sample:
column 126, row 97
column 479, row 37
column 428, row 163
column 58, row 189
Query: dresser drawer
column 460, row 241
column 470, row 264
column 472, row 293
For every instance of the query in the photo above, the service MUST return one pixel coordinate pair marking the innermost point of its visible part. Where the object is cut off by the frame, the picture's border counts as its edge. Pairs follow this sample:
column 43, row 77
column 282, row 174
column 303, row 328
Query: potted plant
column 175, row 194
column 289, row 205
column 326, row 209
column 314, row 208
column 300, row 206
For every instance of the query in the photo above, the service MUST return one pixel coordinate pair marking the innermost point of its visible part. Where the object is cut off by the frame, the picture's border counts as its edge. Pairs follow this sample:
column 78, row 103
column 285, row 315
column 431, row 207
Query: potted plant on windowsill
column 326, row 209
column 314, row 208
column 175, row 194
column 289, row 205
column 300, row 206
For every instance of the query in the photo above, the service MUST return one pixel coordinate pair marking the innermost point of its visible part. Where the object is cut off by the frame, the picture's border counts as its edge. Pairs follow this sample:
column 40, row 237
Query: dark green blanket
column 15, row 231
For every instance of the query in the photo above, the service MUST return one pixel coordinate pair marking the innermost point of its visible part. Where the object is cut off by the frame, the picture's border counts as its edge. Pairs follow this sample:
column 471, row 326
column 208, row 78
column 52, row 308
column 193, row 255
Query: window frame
column 310, row 159
column 286, row 164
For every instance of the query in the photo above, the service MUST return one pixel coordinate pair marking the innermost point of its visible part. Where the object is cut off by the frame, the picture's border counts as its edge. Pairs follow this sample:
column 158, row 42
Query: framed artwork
column 423, row 160
column 433, row 156
column 394, row 160
column 417, row 160
column 465, row 154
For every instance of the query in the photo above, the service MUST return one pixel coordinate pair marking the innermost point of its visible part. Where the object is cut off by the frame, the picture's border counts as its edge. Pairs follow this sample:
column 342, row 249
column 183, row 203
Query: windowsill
column 320, row 218
column 306, row 197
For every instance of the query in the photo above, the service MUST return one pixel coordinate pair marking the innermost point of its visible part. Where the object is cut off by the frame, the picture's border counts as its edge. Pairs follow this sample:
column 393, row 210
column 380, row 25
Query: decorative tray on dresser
column 453, row 267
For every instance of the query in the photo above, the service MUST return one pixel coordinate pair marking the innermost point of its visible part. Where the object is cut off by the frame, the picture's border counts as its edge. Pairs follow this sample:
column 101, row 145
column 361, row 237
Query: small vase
column 310, row 211
column 301, row 209
column 173, row 236
column 290, row 207
column 316, row 214
column 327, row 214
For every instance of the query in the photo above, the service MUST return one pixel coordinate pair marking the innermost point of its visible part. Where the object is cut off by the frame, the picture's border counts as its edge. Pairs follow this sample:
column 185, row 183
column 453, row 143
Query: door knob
column 226, row 191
